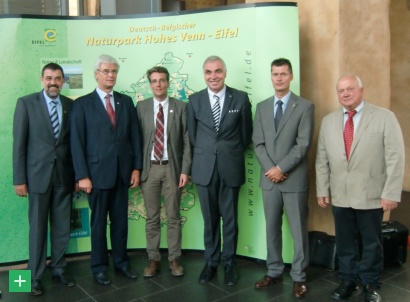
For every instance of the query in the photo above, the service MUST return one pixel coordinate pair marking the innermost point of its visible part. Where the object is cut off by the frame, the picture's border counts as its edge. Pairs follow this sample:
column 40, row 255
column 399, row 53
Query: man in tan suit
column 360, row 160
column 166, row 166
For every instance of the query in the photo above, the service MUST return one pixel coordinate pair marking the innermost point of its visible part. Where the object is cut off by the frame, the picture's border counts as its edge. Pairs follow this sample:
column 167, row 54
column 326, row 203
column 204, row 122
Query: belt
column 159, row 162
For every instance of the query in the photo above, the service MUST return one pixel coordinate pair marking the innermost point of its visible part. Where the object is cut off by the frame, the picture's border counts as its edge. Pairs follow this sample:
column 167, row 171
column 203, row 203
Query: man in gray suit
column 283, row 130
column 163, row 126
column 219, row 121
column 42, row 168
column 360, row 164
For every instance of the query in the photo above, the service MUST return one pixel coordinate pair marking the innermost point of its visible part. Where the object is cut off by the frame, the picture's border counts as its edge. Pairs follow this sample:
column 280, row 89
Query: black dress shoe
column 36, row 288
column 64, row 279
column 102, row 278
column 127, row 272
column 345, row 290
column 371, row 295
column 268, row 280
column 231, row 276
column 207, row 274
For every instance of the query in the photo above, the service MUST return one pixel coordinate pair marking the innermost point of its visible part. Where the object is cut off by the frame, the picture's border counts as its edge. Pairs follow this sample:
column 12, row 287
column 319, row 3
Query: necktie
column 159, row 135
column 216, row 113
column 110, row 110
column 279, row 113
column 54, row 119
column 348, row 132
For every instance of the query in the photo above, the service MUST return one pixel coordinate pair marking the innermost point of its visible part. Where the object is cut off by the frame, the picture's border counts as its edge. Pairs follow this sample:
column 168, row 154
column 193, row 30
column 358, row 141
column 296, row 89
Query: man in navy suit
column 42, row 168
column 219, row 121
column 107, row 157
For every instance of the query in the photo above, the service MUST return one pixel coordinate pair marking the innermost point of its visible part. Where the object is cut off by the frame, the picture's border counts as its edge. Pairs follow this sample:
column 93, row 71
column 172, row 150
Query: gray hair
column 105, row 59
column 359, row 81
column 213, row 59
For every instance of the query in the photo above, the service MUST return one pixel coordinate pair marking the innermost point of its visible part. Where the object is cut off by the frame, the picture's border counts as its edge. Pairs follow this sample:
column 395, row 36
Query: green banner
column 247, row 37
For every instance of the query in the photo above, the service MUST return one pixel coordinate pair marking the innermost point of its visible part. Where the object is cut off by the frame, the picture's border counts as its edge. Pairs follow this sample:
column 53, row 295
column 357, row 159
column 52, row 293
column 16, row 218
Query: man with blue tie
column 42, row 169
column 282, row 136
column 107, row 158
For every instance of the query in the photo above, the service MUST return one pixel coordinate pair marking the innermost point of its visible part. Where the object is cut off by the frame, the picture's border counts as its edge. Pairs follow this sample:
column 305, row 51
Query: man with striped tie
column 219, row 121
column 42, row 169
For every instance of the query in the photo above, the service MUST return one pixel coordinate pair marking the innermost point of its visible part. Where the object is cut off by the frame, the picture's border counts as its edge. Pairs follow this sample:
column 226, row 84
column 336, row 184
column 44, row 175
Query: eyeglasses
column 107, row 71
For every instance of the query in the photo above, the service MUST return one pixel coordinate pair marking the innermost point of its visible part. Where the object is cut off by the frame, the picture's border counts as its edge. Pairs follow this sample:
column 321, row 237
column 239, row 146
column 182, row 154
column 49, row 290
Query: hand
column 323, row 201
column 388, row 205
column 183, row 180
column 275, row 175
column 76, row 187
column 85, row 184
column 135, row 179
column 21, row 190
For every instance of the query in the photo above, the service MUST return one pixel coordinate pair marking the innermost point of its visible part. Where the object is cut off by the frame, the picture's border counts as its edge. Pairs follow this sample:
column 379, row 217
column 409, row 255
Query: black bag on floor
column 322, row 250
column 395, row 239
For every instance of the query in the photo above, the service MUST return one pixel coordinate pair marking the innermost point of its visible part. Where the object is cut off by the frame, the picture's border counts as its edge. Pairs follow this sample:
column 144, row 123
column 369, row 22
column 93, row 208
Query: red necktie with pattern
column 159, row 135
column 348, row 132
column 110, row 110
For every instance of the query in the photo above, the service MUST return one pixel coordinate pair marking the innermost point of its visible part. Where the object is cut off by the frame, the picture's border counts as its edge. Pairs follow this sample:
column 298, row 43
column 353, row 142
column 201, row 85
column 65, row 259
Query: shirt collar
column 102, row 94
column 220, row 94
column 284, row 99
column 358, row 108
column 164, row 103
column 48, row 99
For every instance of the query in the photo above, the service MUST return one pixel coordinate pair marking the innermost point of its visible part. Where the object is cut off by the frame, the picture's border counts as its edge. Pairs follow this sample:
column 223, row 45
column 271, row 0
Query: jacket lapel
column 44, row 113
column 365, row 119
column 118, row 107
column 227, row 103
column 100, row 109
column 290, row 107
column 171, row 114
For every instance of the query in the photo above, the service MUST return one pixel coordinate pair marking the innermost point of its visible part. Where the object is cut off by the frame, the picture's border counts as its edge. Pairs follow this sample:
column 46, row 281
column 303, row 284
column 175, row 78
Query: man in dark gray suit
column 219, row 121
column 282, row 137
column 107, row 158
column 42, row 168
column 163, row 126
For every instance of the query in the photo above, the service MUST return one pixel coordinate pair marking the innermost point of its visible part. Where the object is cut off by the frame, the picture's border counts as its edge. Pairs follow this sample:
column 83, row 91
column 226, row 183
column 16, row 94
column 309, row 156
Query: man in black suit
column 107, row 159
column 219, row 121
column 42, row 169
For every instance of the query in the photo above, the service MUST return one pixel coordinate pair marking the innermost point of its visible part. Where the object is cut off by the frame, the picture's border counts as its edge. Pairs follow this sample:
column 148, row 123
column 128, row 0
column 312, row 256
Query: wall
column 400, row 72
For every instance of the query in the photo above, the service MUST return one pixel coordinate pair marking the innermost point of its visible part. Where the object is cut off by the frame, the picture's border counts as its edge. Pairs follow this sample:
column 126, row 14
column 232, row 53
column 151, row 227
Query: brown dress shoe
column 267, row 280
column 299, row 289
column 152, row 268
column 176, row 267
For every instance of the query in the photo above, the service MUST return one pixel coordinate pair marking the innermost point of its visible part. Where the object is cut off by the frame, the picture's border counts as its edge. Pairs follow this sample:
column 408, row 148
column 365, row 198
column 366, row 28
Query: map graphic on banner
column 178, row 87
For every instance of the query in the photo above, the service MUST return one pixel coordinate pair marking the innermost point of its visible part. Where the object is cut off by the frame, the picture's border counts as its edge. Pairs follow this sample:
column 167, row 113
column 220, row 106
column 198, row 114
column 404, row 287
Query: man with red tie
column 359, row 167
column 107, row 158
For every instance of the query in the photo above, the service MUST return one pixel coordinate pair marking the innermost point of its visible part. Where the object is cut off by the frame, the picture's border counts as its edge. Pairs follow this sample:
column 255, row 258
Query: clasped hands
column 275, row 175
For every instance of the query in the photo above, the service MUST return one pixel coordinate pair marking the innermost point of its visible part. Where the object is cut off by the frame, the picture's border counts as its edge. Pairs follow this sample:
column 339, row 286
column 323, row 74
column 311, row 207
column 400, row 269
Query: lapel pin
column 171, row 110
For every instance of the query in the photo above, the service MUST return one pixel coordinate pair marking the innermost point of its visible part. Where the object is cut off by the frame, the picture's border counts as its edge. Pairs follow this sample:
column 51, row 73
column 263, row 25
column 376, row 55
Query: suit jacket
column 229, row 144
column 376, row 164
column 287, row 146
column 98, row 148
column 178, row 146
column 34, row 147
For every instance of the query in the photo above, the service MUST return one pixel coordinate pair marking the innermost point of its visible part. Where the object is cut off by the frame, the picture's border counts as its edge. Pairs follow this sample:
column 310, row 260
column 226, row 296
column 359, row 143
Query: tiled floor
column 165, row 287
